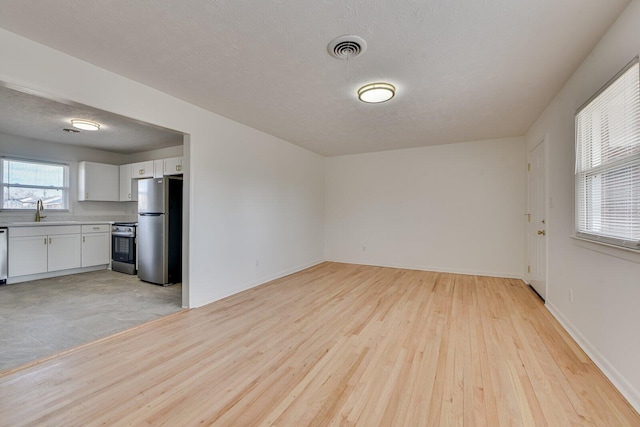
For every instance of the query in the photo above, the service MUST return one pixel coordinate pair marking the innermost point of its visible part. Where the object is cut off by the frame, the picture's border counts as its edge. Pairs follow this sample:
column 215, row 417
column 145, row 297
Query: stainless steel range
column 123, row 247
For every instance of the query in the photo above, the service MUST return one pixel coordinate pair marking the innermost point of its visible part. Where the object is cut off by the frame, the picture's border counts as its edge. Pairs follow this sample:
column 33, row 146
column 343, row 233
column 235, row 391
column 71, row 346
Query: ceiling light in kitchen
column 85, row 124
column 375, row 93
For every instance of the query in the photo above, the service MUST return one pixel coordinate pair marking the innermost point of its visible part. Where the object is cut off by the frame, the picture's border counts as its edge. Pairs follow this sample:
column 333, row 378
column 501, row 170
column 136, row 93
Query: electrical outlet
column 570, row 295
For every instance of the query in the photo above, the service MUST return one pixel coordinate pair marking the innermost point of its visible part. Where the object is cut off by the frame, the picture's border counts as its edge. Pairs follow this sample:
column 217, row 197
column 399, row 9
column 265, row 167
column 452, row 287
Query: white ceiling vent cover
column 346, row 47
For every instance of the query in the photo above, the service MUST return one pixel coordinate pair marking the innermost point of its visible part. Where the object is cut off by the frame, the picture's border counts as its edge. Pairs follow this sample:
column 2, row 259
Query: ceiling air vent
column 346, row 47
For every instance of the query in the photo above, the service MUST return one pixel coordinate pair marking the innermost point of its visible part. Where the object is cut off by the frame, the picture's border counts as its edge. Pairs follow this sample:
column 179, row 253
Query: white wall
column 454, row 208
column 252, row 197
column 604, row 316
column 263, row 207
column 21, row 147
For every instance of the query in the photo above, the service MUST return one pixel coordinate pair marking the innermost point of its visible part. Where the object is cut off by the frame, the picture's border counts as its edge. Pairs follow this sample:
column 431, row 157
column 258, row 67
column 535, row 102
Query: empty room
column 392, row 213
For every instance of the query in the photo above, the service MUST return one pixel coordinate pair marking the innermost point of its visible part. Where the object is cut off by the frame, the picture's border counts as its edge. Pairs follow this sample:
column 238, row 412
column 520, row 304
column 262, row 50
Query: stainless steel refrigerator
column 160, row 230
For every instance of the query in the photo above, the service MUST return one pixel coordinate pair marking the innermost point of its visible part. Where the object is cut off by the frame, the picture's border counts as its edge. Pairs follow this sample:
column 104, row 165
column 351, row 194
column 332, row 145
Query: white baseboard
column 20, row 279
column 619, row 381
column 286, row 272
column 259, row 282
column 470, row 272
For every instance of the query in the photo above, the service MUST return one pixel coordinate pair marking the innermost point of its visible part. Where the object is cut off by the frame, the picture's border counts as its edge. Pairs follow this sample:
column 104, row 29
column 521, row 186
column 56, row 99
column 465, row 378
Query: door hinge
column 528, row 167
column 528, row 269
column 528, row 217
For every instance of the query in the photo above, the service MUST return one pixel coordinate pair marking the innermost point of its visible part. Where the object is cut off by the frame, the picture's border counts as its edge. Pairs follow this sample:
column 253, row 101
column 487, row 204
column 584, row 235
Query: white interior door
column 537, row 222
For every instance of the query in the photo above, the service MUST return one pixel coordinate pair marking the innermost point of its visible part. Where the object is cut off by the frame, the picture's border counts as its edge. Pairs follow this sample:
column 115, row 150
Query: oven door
column 123, row 249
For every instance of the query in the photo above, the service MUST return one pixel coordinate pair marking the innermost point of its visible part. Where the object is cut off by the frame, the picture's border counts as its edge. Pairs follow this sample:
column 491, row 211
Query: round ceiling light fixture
column 375, row 93
column 85, row 124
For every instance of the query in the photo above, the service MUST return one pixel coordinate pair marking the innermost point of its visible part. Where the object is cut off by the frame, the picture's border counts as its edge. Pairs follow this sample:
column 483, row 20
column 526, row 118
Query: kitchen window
column 607, row 174
column 24, row 182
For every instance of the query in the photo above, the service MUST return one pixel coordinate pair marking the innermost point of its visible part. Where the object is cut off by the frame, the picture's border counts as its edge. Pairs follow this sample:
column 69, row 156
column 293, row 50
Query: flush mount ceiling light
column 85, row 124
column 374, row 93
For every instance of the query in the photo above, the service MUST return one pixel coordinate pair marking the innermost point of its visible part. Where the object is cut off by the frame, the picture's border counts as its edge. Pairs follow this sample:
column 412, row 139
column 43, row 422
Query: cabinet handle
column 82, row 239
column 45, row 240
column 178, row 168
column 129, row 196
column 49, row 240
column 86, row 195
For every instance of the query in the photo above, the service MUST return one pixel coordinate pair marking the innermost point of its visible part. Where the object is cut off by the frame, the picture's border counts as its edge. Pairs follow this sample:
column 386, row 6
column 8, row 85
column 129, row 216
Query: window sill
column 628, row 254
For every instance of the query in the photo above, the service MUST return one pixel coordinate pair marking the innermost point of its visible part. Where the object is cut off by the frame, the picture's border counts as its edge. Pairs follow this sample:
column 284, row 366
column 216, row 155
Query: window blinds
column 608, row 162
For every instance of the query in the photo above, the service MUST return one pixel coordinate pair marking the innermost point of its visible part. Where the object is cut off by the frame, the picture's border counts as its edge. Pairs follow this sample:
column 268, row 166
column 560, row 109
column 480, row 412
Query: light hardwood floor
column 336, row 344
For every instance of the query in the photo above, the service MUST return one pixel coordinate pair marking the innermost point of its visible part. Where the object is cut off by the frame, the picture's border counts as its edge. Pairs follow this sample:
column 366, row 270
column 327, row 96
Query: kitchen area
column 47, row 248
column 90, row 226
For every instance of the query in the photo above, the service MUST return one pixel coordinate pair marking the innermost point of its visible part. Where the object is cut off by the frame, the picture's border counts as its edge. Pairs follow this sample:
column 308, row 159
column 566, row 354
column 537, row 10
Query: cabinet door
column 95, row 249
column 173, row 166
column 64, row 252
column 128, row 187
column 98, row 182
column 158, row 168
column 27, row 255
column 142, row 170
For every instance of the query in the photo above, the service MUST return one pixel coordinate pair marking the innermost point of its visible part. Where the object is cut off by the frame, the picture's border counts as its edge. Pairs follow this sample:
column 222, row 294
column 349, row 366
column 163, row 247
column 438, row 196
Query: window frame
column 65, row 189
column 582, row 175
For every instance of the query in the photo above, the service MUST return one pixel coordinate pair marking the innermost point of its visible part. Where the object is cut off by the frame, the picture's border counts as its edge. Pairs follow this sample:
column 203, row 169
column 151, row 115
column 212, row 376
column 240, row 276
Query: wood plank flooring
column 336, row 344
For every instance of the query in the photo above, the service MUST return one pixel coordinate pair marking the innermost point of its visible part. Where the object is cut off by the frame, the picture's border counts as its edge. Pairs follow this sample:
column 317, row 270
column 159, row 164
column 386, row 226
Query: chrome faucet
column 39, row 208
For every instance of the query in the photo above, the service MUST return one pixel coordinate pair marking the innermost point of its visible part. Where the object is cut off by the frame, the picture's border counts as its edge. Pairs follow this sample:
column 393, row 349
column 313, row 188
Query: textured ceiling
column 465, row 70
column 36, row 117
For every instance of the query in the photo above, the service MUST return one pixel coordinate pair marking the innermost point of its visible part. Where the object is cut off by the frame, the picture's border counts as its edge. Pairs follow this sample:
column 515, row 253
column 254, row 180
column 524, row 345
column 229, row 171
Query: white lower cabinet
column 27, row 255
column 44, row 249
column 95, row 245
column 63, row 252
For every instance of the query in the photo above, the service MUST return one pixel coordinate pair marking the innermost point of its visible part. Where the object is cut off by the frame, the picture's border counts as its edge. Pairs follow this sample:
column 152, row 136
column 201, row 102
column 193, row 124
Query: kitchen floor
column 44, row 317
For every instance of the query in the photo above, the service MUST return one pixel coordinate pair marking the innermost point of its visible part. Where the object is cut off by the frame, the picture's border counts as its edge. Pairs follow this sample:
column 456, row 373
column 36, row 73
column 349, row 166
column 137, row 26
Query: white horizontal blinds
column 608, row 163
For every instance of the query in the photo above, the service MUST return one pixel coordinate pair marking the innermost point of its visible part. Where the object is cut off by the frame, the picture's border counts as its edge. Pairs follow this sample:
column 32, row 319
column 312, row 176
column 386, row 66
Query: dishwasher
column 3, row 255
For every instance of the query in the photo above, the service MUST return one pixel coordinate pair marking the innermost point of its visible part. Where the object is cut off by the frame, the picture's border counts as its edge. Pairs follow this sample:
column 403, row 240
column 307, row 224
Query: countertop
column 50, row 223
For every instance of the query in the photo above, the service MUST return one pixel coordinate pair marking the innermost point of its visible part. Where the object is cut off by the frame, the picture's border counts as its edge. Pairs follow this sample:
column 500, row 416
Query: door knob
column 542, row 233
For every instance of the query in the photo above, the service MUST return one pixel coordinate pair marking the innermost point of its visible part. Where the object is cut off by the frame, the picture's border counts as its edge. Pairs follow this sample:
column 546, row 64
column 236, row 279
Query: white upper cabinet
column 128, row 187
column 98, row 182
column 142, row 169
column 158, row 168
column 173, row 166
